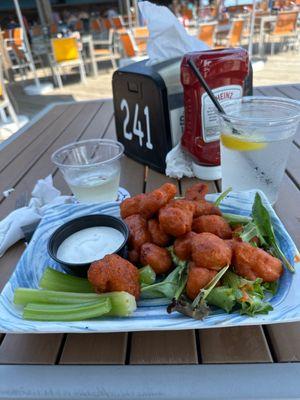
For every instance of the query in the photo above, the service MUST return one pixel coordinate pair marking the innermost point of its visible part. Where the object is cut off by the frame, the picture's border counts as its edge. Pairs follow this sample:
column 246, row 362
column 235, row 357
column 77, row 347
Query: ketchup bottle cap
column 207, row 173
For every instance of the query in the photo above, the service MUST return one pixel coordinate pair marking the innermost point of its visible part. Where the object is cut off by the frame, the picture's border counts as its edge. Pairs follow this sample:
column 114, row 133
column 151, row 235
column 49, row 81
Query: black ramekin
column 77, row 224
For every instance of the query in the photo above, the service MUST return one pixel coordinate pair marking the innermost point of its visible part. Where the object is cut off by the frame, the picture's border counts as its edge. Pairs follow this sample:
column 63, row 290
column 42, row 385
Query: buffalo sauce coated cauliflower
column 114, row 274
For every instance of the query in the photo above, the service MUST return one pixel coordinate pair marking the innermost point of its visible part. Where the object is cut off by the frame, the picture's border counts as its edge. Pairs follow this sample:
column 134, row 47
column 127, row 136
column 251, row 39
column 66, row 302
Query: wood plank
column 98, row 127
column 293, row 165
column 289, row 91
column 25, row 349
column 98, row 348
column 155, row 179
column 285, row 340
column 13, row 173
column 234, row 345
column 167, row 347
column 30, row 349
column 43, row 165
column 26, row 139
column 287, row 208
column 268, row 91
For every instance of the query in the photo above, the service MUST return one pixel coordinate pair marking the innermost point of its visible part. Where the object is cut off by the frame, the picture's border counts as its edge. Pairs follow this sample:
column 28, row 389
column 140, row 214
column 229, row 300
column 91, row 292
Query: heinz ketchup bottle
column 225, row 71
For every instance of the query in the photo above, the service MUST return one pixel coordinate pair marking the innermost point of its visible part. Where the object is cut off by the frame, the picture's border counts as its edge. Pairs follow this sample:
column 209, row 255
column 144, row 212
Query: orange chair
column 235, row 35
column 285, row 28
column 96, row 26
column 141, row 35
column 140, row 32
column 106, row 23
column 66, row 54
column 36, row 30
column 79, row 26
column 207, row 33
column 107, row 51
column 18, row 37
column 128, row 43
column 118, row 22
column 53, row 28
column 188, row 14
column 130, row 50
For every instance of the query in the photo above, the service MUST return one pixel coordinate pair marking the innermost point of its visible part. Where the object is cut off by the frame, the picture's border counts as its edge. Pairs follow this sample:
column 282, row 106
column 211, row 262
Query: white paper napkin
column 168, row 38
column 179, row 163
column 44, row 194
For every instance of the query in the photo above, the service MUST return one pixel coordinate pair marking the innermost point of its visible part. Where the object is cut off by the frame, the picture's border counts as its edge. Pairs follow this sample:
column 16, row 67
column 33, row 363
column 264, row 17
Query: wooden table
column 193, row 358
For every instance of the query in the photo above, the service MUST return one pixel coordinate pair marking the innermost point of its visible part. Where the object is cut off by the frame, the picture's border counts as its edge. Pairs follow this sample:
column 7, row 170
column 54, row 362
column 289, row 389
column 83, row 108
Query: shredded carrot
column 297, row 257
column 245, row 296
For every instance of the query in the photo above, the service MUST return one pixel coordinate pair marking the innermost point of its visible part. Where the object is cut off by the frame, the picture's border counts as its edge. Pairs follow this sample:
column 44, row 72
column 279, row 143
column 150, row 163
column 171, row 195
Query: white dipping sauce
column 89, row 245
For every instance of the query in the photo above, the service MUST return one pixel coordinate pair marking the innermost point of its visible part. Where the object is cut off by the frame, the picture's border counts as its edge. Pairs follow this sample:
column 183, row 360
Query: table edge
column 149, row 382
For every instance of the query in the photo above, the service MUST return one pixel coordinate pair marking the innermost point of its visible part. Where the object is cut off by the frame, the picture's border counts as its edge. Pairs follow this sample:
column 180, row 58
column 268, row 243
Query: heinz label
column 225, row 71
column 210, row 124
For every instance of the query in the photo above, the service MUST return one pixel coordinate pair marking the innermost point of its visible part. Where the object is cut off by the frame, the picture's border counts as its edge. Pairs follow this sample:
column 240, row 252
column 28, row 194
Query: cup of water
column 256, row 136
column 91, row 168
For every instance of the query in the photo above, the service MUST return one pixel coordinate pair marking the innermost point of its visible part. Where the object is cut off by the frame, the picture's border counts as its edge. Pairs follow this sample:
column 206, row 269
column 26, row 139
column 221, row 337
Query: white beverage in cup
column 256, row 136
column 91, row 169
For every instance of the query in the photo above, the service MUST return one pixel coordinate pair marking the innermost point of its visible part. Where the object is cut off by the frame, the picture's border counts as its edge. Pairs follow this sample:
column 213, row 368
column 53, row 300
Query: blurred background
column 62, row 50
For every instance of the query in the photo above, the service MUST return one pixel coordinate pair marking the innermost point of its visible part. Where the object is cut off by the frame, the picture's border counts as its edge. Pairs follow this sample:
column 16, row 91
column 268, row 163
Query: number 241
column 137, row 126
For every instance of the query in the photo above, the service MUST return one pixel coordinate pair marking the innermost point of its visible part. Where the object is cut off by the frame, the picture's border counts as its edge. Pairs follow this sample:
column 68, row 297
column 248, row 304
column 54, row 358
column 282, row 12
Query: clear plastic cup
column 256, row 136
column 91, row 168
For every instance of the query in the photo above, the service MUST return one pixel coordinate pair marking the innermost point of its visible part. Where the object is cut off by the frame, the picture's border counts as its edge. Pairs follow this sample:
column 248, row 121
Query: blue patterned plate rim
column 150, row 315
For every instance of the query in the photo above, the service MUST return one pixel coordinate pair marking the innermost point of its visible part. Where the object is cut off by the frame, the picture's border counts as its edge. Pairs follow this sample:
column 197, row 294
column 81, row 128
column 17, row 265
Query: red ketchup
column 225, row 71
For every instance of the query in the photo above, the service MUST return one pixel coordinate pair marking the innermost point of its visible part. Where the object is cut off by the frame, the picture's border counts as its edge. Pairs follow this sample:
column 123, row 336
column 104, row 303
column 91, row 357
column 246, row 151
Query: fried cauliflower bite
column 196, row 192
column 158, row 236
column 138, row 231
column 203, row 207
column 157, row 257
column 252, row 262
column 158, row 198
column 182, row 246
column 131, row 206
column 134, row 256
column 198, row 278
column 175, row 221
column 213, row 224
column 209, row 251
column 183, row 204
column 113, row 273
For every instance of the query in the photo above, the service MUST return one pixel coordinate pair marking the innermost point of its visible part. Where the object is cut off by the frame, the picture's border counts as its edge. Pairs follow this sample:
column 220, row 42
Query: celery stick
column 147, row 275
column 222, row 297
column 123, row 304
column 54, row 312
column 24, row 296
column 56, row 280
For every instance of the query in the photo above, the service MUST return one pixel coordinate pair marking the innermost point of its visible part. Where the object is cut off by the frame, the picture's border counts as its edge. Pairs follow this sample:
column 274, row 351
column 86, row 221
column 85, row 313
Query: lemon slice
column 240, row 143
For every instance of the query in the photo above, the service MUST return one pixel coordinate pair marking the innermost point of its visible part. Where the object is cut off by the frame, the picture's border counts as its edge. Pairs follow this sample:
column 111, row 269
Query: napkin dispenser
column 149, row 112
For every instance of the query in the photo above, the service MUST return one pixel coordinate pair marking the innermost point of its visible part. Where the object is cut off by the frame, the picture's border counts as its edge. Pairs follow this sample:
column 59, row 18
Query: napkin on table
column 167, row 36
column 44, row 194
